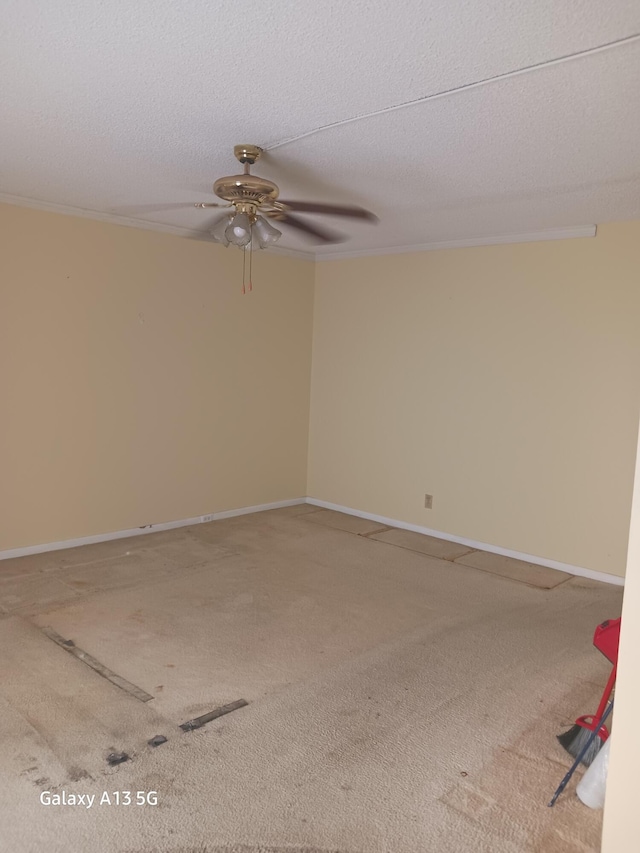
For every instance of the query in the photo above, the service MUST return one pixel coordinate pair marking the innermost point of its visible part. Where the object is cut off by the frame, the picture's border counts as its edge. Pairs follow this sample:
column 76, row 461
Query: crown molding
column 83, row 213
column 146, row 225
column 131, row 222
column 467, row 242
column 300, row 254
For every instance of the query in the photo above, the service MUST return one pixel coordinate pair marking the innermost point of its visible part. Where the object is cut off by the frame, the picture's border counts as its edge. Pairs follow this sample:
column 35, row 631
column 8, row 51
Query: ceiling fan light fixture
column 238, row 231
column 267, row 235
column 218, row 232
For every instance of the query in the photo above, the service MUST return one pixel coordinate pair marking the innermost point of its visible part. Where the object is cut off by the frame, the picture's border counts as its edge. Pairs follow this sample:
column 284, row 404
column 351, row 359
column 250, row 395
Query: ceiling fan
column 253, row 198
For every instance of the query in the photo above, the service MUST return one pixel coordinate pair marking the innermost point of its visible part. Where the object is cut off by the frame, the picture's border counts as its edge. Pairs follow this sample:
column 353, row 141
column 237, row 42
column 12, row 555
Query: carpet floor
column 403, row 694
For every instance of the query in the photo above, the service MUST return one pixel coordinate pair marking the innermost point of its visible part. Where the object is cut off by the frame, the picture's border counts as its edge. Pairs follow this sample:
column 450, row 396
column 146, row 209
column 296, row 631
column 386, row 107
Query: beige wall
column 621, row 816
column 140, row 386
column 137, row 384
column 504, row 380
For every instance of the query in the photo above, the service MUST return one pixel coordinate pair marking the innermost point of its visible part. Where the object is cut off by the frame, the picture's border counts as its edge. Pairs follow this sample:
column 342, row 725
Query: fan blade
column 320, row 235
column 158, row 208
column 329, row 209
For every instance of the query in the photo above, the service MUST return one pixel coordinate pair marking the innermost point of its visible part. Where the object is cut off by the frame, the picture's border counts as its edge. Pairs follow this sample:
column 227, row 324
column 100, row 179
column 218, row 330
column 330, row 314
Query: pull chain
column 244, row 265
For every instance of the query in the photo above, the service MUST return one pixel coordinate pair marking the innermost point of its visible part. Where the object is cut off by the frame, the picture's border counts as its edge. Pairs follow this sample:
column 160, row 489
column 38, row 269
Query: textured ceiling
column 113, row 106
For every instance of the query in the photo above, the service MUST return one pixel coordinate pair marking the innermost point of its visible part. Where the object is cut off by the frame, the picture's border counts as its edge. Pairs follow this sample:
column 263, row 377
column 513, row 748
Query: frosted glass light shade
column 266, row 233
column 219, row 229
column 238, row 231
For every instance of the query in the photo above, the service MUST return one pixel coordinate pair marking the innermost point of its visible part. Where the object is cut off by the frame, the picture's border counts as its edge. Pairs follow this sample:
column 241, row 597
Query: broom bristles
column 574, row 740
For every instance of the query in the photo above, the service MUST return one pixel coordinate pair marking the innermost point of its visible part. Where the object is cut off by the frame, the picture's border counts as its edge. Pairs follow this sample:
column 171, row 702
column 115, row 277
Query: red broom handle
column 607, row 693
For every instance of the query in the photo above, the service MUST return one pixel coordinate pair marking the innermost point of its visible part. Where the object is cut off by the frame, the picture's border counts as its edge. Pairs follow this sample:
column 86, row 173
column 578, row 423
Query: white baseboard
column 480, row 546
column 246, row 510
column 148, row 528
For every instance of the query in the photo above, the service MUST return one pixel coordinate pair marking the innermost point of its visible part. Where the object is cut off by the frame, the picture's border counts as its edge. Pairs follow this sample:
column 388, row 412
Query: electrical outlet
column 205, row 518
column 428, row 501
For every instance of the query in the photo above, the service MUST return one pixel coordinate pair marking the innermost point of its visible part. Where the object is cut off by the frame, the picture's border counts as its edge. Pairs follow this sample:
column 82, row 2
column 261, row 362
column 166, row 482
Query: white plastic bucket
column 592, row 786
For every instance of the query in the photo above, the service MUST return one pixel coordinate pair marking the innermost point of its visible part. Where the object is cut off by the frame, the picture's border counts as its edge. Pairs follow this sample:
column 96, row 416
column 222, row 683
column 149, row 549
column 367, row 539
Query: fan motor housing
column 245, row 188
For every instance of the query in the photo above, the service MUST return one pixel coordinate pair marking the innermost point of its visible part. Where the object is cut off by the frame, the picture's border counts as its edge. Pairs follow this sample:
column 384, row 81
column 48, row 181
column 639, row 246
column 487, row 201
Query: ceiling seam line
column 547, row 63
